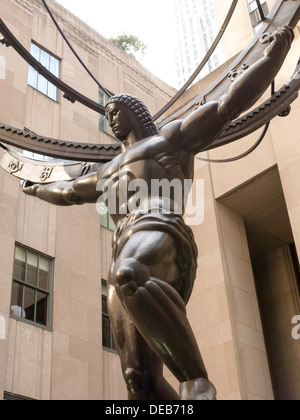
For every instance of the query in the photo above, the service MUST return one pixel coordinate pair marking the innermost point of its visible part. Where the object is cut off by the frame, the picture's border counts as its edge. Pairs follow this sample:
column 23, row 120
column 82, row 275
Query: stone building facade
column 247, row 288
column 65, row 360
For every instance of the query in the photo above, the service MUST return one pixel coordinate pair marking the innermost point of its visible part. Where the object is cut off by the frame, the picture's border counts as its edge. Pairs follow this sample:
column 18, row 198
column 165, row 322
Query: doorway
column 275, row 266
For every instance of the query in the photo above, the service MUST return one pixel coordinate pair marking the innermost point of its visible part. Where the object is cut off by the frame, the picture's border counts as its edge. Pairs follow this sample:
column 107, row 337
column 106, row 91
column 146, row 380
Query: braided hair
column 138, row 108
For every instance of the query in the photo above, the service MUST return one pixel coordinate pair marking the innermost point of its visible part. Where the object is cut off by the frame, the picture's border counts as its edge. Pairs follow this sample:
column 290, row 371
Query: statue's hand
column 29, row 188
column 282, row 40
column 54, row 193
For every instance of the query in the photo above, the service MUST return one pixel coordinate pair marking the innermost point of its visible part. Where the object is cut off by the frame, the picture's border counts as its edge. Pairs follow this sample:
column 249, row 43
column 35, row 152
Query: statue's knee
column 134, row 380
column 124, row 274
column 131, row 274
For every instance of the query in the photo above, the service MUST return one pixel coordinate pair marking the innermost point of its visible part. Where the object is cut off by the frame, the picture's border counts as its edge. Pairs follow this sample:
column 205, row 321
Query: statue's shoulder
column 109, row 168
column 171, row 131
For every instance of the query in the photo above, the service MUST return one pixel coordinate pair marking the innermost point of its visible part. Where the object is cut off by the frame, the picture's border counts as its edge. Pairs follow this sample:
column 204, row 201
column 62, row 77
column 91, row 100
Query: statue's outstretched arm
column 249, row 87
column 206, row 124
column 82, row 190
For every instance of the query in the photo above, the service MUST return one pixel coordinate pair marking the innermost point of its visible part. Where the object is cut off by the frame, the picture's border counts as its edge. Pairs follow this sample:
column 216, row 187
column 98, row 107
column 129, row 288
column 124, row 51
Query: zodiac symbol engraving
column 46, row 174
column 15, row 166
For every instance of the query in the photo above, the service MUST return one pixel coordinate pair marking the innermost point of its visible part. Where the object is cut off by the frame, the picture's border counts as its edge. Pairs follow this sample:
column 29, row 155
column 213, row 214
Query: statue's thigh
column 155, row 250
column 150, row 247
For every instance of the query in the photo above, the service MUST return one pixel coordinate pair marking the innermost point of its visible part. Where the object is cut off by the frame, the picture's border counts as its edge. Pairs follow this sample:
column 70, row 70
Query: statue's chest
column 142, row 160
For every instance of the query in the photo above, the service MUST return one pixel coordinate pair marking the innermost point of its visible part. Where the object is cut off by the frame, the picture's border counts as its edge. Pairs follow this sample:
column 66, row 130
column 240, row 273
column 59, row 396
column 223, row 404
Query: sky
column 152, row 22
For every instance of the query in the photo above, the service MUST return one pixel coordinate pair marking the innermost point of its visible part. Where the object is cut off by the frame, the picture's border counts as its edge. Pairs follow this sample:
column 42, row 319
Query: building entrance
column 275, row 267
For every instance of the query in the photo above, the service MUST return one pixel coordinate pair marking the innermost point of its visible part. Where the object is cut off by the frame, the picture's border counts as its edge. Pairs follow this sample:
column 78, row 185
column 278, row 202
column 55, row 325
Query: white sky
column 151, row 21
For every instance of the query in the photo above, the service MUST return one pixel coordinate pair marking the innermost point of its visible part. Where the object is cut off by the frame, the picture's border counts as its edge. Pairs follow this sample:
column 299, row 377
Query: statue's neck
column 137, row 134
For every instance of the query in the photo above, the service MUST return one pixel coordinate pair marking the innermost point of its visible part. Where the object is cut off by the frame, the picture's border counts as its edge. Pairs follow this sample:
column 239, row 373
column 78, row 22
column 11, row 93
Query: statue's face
column 121, row 120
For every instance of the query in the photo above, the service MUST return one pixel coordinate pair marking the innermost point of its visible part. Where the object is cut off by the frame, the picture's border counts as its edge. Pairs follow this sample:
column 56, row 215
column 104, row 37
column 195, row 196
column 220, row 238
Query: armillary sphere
column 284, row 12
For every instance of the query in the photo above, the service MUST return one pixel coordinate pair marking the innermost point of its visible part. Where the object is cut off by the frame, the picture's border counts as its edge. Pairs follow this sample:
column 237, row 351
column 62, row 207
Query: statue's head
column 133, row 114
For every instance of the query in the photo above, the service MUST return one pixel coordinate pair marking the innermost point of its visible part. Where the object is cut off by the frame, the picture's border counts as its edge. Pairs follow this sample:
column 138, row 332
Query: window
column 31, row 287
column 38, row 81
column 37, row 156
column 255, row 13
column 103, row 123
column 8, row 396
column 105, row 219
column 107, row 337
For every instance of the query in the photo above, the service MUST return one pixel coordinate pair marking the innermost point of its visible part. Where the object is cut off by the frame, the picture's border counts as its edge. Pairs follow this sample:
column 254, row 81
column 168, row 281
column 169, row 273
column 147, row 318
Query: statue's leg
column 142, row 369
column 145, row 277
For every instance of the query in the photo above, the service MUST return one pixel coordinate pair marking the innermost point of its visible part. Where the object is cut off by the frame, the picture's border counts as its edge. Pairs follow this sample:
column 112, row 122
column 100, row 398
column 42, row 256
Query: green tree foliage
column 131, row 44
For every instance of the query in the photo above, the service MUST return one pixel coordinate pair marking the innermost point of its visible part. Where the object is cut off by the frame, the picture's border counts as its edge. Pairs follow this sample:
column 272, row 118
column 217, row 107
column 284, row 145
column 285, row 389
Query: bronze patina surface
column 154, row 255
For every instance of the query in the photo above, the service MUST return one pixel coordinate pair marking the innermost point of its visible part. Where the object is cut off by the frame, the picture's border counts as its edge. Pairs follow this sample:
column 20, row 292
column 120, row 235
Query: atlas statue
column 154, row 258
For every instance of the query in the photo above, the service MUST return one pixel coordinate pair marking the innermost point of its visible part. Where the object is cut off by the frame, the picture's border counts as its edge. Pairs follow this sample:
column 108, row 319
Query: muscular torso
column 151, row 160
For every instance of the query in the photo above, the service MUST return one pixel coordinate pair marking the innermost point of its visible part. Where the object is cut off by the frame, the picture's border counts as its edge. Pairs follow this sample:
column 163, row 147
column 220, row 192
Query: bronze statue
column 154, row 253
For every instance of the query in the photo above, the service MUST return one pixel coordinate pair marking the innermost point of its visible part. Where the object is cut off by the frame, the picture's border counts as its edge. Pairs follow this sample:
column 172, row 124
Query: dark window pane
column 32, row 77
column 42, row 84
column 102, row 123
column 31, row 286
column 16, row 300
column 111, row 224
column 44, row 270
column 32, row 267
column 105, row 331
column 29, row 303
column 41, row 308
column 113, row 345
column 20, row 264
column 35, row 51
column 39, row 82
column 16, row 297
column 45, row 59
column 54, row 66
column 104, row 305
column 103, row 215
column 52, row 91
column 104, row 287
